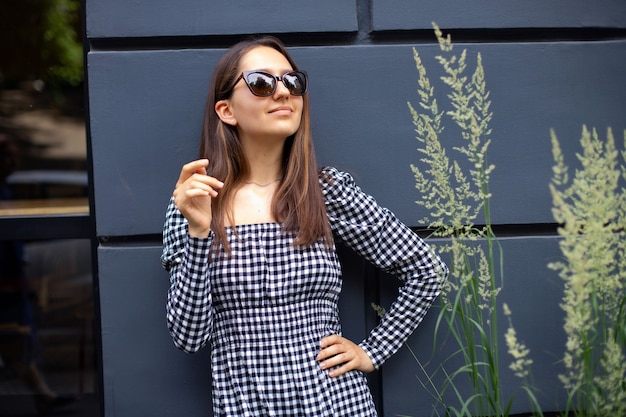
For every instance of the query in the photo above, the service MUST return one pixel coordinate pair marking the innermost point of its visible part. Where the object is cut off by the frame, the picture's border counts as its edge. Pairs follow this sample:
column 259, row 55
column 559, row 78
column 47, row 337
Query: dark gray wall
column 549, row 64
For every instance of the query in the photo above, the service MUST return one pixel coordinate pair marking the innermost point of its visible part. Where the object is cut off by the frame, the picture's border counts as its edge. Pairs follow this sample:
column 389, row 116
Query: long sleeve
column 376, row 234
column 189, row 309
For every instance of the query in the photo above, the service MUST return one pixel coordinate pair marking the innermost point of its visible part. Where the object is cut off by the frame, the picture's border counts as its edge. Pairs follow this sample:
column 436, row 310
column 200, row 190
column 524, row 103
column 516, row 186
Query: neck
column 265, row 164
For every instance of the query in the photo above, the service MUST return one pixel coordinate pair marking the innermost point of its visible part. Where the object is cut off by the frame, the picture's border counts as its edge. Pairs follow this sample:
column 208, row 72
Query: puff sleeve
column 189, row 309
column 376, row 234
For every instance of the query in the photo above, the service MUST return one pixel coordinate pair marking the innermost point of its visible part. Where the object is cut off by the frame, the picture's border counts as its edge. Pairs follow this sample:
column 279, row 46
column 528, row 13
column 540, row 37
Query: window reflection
column 43, row 157
column 41, row 106
column 46, row 328
column 47, row 349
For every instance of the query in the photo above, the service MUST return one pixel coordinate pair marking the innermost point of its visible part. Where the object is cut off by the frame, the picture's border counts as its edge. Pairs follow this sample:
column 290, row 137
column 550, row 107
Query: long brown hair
column 298, row 203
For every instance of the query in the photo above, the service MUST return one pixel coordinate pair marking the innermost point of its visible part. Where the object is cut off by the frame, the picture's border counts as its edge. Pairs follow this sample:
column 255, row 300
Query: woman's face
column 263, row 118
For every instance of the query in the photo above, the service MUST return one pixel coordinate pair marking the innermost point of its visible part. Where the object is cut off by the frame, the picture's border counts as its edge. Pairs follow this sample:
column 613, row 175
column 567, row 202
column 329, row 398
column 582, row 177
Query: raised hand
column 192, row 195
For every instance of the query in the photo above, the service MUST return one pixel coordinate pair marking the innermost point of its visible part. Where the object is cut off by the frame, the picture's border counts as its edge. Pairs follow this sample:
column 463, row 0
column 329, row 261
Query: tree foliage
column 41, row 40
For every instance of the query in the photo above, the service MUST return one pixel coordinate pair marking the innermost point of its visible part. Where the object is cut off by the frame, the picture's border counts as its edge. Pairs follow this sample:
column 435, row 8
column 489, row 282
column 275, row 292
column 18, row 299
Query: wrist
column 366, row 348
column 199, row 232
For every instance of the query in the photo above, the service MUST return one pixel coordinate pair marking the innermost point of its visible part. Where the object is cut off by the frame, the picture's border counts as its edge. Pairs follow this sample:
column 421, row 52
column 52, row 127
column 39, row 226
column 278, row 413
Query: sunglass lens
column 264, row 84
column 295, row 83
column 261, row 84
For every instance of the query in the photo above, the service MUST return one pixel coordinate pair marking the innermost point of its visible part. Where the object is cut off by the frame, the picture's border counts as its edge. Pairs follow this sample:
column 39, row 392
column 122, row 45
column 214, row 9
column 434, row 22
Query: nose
column 281, row 90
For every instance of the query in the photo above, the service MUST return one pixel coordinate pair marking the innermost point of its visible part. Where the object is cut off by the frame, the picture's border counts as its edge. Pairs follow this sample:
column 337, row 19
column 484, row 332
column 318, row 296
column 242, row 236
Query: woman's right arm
column 187, row 240
column 189, row 303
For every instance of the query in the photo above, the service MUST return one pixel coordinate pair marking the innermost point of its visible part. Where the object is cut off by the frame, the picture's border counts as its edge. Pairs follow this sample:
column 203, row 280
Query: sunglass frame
column 304, row 78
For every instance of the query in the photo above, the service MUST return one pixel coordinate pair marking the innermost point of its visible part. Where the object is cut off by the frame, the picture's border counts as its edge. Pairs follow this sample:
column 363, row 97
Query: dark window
column 48, row 345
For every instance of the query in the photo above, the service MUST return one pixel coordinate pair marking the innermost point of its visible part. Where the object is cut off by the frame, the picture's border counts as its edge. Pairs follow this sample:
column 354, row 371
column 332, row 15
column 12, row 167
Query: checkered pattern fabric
column 265, row 307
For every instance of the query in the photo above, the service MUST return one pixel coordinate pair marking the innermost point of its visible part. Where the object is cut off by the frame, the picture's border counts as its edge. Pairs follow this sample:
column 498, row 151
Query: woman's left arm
column 376, row 234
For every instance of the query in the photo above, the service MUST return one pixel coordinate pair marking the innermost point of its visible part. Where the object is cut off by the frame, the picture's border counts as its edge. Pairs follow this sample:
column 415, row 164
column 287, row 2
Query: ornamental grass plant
column 452, row 180
column 456, row 200
column 590, row 206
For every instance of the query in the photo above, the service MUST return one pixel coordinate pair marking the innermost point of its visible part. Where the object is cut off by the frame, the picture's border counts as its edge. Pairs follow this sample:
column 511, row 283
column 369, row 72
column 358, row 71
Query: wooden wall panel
column 144, row 374
column 497, row 14
column 146, row 113
column 122, row 18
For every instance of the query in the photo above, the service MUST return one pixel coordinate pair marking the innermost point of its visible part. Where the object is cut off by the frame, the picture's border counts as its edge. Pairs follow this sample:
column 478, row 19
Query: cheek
column 300, row 110
column 299, row 120
column 247, row 112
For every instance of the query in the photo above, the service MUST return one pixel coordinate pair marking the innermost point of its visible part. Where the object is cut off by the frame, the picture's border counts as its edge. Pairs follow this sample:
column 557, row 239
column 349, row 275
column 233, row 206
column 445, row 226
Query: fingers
column 192, row 195
column 194, row 181
column 199, row 186
column 341, row 355
column 193, row 167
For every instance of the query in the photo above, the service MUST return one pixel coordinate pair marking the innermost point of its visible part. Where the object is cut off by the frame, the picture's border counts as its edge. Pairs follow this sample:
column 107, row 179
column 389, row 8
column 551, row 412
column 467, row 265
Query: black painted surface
column 121, row 18
column 502, row 14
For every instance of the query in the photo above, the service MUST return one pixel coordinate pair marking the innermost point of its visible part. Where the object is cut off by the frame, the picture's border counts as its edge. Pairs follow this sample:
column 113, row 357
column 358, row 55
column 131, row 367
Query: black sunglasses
column 263, row 84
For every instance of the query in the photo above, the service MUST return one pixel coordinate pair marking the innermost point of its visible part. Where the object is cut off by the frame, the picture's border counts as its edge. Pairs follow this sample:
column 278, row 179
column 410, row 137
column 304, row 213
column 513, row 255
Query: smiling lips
column 282, row 110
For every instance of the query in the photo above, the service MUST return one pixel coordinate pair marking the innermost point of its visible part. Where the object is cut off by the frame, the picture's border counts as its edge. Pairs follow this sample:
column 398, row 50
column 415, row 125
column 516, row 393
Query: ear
column 224, row 112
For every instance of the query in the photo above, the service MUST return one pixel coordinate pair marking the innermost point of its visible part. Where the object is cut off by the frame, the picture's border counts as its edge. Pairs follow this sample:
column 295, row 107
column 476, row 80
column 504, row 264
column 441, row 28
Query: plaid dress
column 265, row 308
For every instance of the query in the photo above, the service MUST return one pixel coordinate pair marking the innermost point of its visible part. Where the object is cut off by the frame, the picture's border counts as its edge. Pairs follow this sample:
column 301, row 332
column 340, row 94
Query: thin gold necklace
column 262, row 185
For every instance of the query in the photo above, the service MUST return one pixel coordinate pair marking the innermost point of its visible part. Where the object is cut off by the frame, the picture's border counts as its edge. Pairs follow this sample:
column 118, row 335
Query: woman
column 248, row 242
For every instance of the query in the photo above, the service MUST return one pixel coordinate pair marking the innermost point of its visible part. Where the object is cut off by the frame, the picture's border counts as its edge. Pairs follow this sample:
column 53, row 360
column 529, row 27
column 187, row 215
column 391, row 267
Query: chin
column 287, row 132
